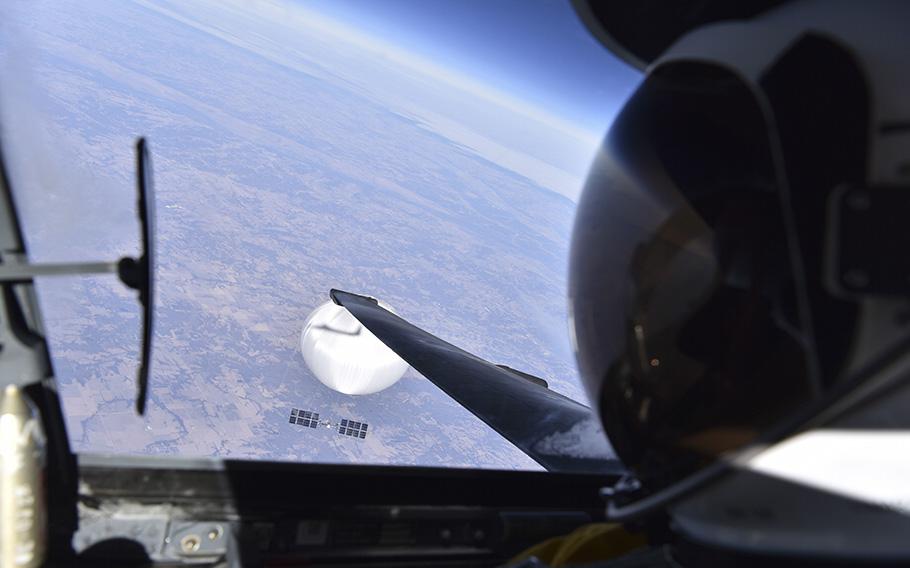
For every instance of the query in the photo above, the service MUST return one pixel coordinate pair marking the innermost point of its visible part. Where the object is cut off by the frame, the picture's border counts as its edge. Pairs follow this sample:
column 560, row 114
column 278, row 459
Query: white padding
column 872, row 466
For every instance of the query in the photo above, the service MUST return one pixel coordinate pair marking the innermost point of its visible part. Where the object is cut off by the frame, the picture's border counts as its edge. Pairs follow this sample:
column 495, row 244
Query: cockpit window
column 429, row 154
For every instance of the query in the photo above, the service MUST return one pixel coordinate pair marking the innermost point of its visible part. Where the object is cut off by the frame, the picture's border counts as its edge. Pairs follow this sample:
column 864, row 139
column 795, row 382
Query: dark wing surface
column 557, row 432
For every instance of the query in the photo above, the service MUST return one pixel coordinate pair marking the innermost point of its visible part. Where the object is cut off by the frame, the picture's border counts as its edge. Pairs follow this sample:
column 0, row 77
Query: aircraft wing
column 557, row 432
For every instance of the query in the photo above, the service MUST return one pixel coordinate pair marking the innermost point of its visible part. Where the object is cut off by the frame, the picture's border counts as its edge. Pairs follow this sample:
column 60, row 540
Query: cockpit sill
column 181, row 509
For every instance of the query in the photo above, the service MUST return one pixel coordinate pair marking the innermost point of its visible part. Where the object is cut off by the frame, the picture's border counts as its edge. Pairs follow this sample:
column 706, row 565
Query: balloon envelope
column 344, row 355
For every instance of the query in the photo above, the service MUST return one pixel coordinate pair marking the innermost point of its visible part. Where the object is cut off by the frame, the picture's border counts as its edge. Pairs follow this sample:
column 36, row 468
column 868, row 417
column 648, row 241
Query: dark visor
column 683, row 291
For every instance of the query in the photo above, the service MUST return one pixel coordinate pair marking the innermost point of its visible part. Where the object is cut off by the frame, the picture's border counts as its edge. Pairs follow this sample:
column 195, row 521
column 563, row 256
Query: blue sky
column 536, row 50
column 533, row 94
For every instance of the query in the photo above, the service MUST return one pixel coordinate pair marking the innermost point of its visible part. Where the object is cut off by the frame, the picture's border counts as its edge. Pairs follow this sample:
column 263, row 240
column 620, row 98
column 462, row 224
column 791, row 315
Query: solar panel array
column 353, row 429
column 304, row 418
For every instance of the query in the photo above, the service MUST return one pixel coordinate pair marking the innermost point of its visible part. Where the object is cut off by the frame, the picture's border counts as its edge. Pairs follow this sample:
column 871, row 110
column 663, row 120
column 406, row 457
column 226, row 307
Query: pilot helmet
column 739, row 280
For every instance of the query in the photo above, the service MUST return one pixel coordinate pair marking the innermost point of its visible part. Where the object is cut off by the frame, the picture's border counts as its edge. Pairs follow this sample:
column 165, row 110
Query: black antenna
column 139, row 274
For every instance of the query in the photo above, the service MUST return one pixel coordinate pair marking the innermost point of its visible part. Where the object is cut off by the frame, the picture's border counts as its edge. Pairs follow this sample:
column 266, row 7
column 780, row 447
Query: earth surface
column 291, row 156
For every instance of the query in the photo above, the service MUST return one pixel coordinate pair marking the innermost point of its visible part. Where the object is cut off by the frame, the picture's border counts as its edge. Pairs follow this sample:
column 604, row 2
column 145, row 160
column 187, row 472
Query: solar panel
column 305, row 418
column 353, row 429
column 310, row 419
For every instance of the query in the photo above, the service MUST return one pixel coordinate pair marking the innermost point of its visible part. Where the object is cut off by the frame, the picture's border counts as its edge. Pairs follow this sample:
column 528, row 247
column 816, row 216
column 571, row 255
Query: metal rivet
column 215, row 533
column 190, row 543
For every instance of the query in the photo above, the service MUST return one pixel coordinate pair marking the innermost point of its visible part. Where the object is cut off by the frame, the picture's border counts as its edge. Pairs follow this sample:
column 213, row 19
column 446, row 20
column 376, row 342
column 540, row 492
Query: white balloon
column 344, row 355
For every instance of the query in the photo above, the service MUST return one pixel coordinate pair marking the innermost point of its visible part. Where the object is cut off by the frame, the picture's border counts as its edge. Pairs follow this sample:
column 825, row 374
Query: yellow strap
column 590, row 543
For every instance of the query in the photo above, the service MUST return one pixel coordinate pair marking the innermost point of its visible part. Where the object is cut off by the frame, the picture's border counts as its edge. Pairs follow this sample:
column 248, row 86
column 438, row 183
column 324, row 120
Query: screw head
column 190, row 543
column 215, row 532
